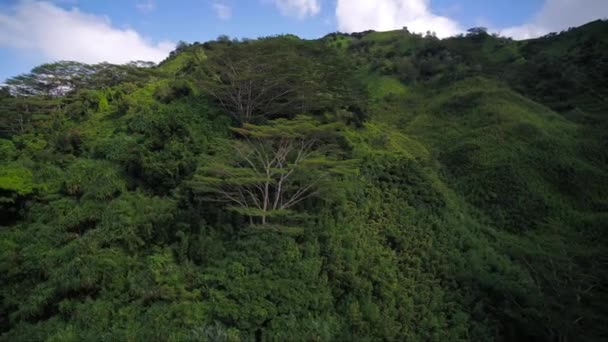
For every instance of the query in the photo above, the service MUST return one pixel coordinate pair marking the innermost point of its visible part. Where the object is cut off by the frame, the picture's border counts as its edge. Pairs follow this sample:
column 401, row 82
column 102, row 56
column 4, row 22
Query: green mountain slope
column 373, row 186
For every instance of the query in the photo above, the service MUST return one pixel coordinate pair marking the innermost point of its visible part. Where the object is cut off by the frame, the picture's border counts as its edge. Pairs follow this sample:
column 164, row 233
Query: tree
column 16, row 184
column 477, row 31
column 61, row 78
column 248, row 80
column 4, row 93
column 108, row 75
column 278, row 77
column 18, row 114
column 406, row 70
column 275, row 167
column 51, row 79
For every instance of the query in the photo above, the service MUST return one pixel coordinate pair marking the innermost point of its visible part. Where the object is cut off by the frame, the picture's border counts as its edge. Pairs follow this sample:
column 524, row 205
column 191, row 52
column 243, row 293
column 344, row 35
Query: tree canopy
column 278, row 77
column 60, row 78
column 276, row 166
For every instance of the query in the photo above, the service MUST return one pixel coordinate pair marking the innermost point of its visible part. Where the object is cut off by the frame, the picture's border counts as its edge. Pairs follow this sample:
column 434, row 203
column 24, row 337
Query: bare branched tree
column 267, row 79
column 247, row 81
column 275, row 167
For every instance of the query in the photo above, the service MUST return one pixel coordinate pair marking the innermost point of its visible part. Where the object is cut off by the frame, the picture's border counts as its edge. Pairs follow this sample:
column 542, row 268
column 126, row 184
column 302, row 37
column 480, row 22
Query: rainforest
column 374, row 186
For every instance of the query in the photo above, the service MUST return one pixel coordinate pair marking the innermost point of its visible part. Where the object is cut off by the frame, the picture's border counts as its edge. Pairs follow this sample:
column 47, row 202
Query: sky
column 33, row 32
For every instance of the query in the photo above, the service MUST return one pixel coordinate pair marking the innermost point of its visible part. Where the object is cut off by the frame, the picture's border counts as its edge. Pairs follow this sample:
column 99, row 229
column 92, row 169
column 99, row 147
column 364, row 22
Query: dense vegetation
column 373, row 186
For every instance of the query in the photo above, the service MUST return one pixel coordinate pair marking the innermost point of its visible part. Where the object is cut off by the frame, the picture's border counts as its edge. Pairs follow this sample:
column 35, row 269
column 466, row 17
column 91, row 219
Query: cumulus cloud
column 385, row 15
column 558, row 15
column 61, row 34
column 298, row 8
column 526, row 31
column 222, row 10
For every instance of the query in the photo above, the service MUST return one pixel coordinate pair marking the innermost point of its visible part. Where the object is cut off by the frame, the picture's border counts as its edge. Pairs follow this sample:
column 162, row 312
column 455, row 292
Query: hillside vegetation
column 371, row 186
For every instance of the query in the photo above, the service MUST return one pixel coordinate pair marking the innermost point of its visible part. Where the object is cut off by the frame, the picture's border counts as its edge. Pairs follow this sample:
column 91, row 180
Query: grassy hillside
column 373, row 186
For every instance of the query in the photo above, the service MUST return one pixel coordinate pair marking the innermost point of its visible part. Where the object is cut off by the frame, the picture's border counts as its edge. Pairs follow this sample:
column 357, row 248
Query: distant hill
column 365, row 186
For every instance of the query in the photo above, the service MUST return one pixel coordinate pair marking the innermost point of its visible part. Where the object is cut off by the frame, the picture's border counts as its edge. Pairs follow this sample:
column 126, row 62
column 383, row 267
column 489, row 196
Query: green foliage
column 166, row 93
column 7, row 150
column 163, row 141
column 16, row 185
column 435, row 190
column 278, row 77
column 14, row 178
column 275, row 167
column 23, row 115
column 60, row 78
column 93, row 179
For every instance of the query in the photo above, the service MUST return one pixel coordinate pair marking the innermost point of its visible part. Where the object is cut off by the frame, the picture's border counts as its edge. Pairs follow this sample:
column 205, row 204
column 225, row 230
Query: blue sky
column 34, row 32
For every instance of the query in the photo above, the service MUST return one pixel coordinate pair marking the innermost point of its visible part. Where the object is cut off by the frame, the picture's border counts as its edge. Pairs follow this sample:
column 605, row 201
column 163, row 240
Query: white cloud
column 298, row 8
column 146, row 6
column 558, row 15
column 385, row 15
column 526, row 31
column 60, row 34
column 222, row 10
